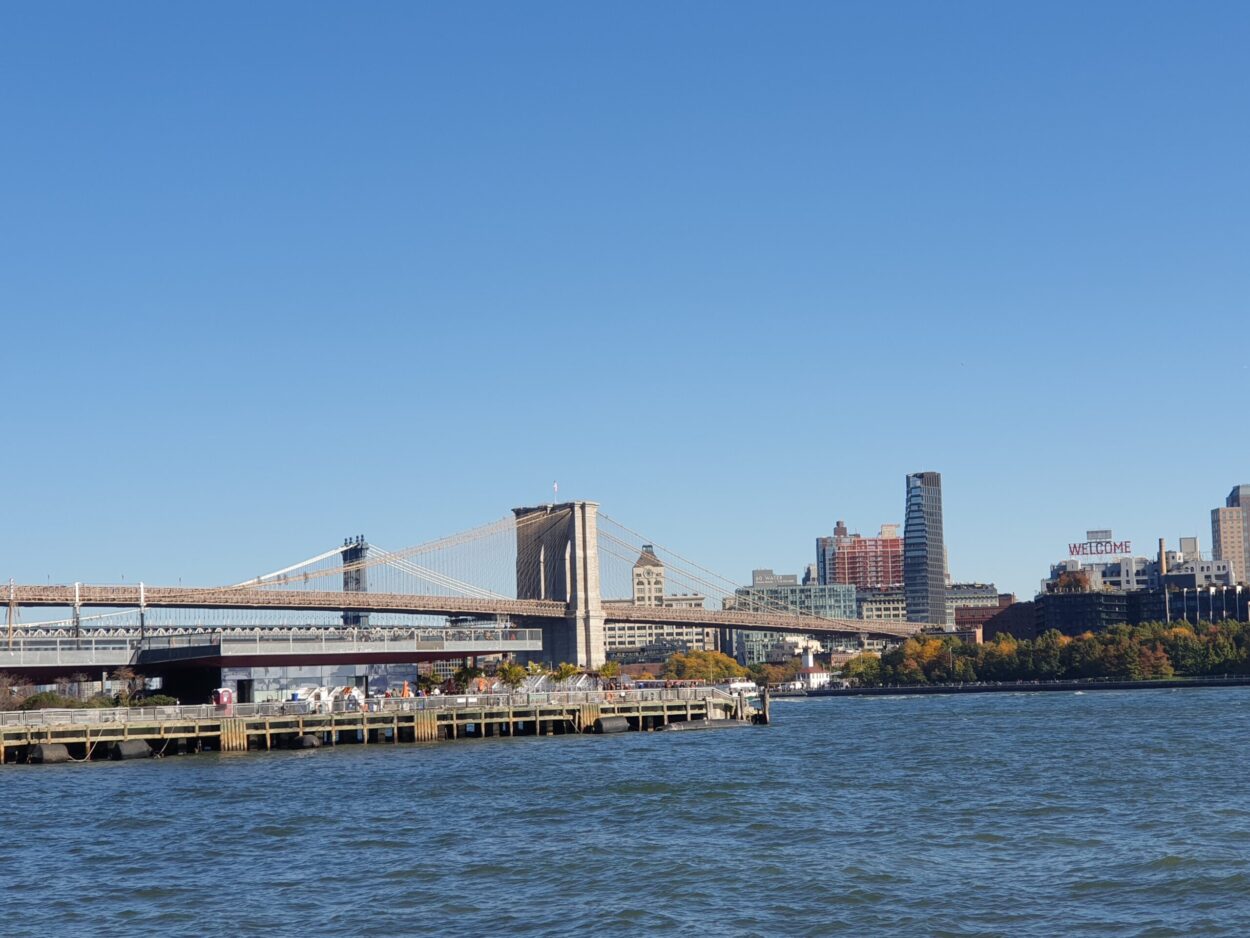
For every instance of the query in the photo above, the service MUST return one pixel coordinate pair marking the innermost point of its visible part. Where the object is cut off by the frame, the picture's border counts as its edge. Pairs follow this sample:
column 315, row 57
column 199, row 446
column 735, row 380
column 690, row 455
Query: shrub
column 47, row 700
column 154, row 700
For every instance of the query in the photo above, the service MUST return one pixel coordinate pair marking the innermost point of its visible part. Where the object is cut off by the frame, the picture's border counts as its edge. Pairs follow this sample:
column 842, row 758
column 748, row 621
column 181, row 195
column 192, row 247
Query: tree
column 564, row 672
column 610, row 670
column 462, row 676
column 714, row 667
column 9, row 694
column 765, row 673
column 1071, row 581
column 1047, row 657
column 864, row 669
column 511, row 674
column 126, row 677
column 426, row 682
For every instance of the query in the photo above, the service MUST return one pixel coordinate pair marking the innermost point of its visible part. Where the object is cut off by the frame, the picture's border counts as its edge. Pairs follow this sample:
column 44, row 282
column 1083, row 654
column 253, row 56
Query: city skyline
column 281, row 276
column 546, row 418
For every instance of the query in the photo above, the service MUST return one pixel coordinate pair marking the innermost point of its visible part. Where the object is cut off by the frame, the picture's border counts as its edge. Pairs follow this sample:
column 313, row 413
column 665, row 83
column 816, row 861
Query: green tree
column 511, row 674
column 863, row 670
column 47, row 700
column 426, row 682
column 765, row 673
column 610, row 670
column 564, row 672
column 462, row 676
column 1047, row 657
column 965, row 673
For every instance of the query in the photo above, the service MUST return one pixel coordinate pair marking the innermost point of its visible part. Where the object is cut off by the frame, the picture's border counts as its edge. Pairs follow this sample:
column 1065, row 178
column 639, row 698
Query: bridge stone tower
column 355, row 581
column 557, row 558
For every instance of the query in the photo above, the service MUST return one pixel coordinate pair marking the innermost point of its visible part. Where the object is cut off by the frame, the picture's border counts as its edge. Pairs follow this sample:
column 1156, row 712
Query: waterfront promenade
column 89, row 734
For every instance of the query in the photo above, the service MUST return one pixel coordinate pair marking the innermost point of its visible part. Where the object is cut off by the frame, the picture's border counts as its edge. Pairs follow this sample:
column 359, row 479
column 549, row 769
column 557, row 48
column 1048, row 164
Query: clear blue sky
column 274, row 274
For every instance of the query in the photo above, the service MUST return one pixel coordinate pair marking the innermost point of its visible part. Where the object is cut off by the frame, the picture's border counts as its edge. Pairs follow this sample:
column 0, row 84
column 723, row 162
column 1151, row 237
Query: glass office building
column 924, row 555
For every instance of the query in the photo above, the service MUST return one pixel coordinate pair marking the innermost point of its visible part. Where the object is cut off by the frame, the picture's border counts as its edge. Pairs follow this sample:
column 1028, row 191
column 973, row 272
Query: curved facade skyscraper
column 924, row 554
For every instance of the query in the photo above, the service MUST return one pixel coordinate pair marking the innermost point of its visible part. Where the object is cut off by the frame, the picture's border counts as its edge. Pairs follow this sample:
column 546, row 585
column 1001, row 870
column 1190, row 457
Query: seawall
column 1030, row 687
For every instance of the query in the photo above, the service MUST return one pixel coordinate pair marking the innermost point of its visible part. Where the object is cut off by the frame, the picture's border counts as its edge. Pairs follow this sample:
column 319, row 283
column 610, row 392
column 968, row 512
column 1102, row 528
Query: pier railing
column 339, row 642
column 84, row 651
column 92, row 716
column 92, row 651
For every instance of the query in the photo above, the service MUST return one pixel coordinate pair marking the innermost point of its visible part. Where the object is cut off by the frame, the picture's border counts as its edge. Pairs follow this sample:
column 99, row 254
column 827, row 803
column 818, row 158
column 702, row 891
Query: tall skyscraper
column 1230, row 532
column 924, row 563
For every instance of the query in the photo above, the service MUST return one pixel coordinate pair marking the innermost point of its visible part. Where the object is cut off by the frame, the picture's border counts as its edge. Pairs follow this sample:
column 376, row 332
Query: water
column 1118, row 813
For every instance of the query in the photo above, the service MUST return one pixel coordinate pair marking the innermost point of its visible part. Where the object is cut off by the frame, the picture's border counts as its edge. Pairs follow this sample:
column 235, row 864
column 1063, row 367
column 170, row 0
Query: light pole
column 1185, row 602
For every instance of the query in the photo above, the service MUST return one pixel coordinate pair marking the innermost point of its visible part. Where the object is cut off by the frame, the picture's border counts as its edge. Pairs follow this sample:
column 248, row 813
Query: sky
column 276, row 274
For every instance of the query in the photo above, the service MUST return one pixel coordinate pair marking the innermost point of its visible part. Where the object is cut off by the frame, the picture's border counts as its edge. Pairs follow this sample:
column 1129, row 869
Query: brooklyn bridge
column 544, row 583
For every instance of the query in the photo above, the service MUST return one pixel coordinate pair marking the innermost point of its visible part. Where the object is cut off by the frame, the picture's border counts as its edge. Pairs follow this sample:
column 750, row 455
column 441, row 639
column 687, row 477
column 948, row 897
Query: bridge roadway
column 756, row 621
column 403, row 603
column 164, row 597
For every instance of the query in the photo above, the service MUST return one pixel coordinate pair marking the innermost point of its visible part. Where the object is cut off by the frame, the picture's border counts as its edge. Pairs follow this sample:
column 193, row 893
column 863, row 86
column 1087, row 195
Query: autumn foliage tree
column 1152, row 650
column 710, row 666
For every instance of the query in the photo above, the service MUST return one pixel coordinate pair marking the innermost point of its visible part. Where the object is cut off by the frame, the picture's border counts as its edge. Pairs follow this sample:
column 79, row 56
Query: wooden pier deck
column 92, row 734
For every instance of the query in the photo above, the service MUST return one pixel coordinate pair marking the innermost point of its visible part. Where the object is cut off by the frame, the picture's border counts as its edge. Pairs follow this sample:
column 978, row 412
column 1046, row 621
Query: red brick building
column 869, row 563
column 967, row 617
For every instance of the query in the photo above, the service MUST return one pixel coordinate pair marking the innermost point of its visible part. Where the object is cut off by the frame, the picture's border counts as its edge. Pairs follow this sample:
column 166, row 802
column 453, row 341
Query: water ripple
column 1030, row 814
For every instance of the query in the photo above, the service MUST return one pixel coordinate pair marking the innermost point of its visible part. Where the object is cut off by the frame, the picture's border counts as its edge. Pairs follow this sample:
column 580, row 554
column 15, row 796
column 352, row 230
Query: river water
column 1114, row 813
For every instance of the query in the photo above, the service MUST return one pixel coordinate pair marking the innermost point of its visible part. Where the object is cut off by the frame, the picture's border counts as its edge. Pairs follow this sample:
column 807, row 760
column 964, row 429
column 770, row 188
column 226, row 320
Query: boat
column 700, row 724
column 741, row 686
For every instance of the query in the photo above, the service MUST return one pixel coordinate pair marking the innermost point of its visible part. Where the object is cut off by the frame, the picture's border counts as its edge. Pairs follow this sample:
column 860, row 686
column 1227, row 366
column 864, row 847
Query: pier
column 93, row 734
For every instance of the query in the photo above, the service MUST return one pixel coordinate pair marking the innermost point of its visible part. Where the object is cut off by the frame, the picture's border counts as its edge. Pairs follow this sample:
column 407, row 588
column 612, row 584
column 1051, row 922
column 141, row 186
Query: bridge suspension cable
column 684, row 572
column 432, row 576
column 261, row 580
column 401, row 561
column 282, row 577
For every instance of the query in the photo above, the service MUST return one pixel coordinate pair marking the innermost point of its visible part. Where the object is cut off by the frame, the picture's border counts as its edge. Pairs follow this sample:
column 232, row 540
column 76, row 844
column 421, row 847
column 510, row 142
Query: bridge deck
column 536, row 609
column 755, row 621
